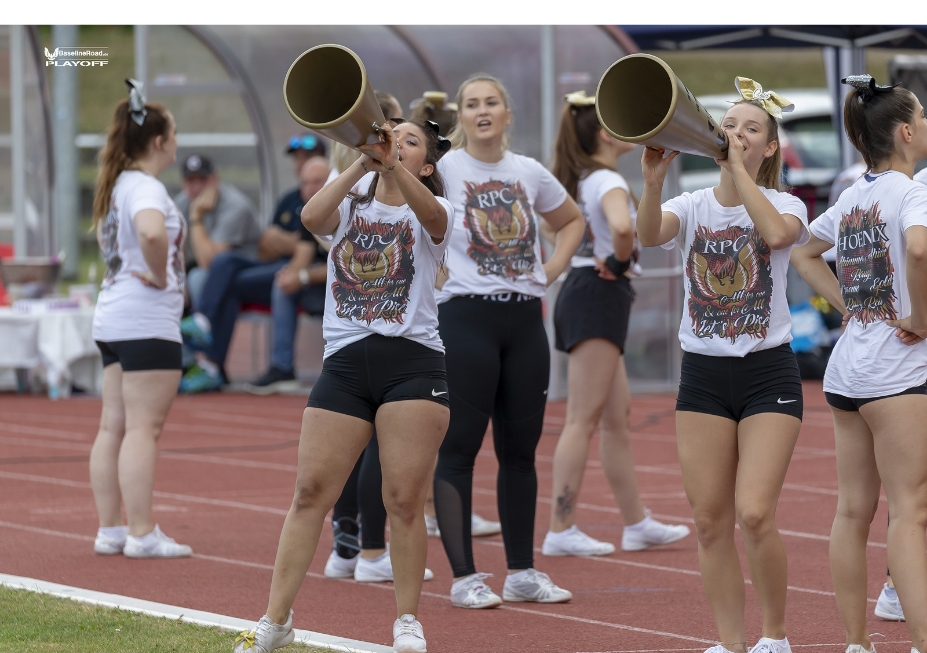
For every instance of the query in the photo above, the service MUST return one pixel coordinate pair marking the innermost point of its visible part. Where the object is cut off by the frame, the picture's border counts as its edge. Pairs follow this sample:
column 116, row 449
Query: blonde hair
column 343, row 156
column 126, row 141
column 457, row 136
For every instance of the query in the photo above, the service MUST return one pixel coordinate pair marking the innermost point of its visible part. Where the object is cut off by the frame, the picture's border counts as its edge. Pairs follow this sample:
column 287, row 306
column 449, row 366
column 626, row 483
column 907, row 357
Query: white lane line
column 185, row 615
column 673, row 650
column 444, row 597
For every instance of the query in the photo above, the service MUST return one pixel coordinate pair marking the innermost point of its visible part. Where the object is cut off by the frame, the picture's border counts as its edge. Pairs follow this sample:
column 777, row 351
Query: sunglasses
column 307, row 142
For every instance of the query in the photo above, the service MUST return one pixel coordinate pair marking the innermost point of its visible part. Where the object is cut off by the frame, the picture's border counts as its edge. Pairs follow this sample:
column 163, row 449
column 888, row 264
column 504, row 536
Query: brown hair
column 445, row 118
column 770, row 174
column 457, row 136
column 433, row 182
column 576, row 144
column 125, row 143
column 389, row 105
column 870, row 124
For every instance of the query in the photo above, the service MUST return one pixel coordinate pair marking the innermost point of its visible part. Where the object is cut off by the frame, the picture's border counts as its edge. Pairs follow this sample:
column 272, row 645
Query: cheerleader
column 591, row 322
column 383, row 365
column 875, row 379
column 498, row 362
column 739, row 406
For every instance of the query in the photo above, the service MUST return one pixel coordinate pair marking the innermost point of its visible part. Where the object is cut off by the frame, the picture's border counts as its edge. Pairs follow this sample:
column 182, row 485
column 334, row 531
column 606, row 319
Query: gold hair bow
column 774, row 103
column 579, row 99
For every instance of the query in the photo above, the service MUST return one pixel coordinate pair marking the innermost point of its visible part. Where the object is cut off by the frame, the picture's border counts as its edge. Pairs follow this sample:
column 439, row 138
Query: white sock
column 114, row 532
column 211, row 368
column 782, row 642
column 639, row 525
column 518, row 575
column 202, row 322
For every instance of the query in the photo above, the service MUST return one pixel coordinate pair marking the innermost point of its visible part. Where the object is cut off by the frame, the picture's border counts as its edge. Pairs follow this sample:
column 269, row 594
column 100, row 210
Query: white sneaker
column 480, row 527
column 471, row 592
column 769, row 645
column 858, row 648
column 649, row 532
column 155, row 545
column 888, row 606
column 532, row 585
column 573, row 542
column 379, row 570
column 338, row 567
column 266, row 637
column 408, row 636
column 431, row 525
column 108, row 544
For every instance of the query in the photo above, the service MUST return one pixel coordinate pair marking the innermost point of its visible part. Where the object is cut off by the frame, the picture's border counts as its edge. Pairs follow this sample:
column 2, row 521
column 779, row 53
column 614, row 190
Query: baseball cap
column 196, row 164
column 307, row 142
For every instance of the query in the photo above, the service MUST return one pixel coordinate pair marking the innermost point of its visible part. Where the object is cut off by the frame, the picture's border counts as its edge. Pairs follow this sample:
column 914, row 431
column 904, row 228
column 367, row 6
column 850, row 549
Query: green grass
column 31, row 622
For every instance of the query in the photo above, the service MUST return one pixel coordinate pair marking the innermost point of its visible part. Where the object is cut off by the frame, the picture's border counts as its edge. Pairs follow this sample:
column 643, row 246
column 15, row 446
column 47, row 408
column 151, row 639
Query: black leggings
column 498, row 364
column 363, row 493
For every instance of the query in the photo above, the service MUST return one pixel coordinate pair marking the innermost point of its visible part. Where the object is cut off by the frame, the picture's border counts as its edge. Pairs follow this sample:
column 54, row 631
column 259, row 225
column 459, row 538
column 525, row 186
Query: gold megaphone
column 327, row 90
column 641, row 100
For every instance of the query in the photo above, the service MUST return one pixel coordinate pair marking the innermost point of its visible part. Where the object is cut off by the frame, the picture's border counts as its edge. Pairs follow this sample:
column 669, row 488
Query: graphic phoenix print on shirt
column 373, row 271
column 864, row 265
column 587, row 246
column 730, row 283
column 109, row 240
column 502, row 228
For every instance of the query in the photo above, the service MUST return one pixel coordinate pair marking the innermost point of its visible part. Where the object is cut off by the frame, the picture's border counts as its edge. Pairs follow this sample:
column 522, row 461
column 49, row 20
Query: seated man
column 235, row 279
column 220, row 218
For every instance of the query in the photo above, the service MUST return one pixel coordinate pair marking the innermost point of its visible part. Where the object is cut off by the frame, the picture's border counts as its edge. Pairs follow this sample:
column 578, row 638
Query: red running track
column 225, row 479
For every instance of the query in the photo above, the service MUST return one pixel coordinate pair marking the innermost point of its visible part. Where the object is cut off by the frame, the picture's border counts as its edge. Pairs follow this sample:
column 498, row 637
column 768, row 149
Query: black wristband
column 617, row 267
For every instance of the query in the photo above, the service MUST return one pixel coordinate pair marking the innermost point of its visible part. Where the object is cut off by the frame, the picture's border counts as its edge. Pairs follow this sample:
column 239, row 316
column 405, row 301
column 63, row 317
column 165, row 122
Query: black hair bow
column 866, row 86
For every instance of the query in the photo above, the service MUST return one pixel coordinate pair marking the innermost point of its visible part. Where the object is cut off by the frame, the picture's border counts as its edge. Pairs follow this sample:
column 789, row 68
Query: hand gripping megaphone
column 327, row 90
column 641, row 100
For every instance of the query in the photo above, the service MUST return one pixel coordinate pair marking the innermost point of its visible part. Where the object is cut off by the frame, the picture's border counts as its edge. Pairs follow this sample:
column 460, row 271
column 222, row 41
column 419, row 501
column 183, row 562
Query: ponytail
column 577, row 142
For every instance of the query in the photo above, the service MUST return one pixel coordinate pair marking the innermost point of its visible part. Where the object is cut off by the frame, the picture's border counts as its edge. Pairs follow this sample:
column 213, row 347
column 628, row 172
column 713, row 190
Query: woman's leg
column 590, row 380
column 858, row 486
column 370, row 501
column 899, row 429
column 147, row 397
column 765, row 444
column 708, row 457
column 615, row 445
column 329, row 445
column 104, row 456
column 410, row 433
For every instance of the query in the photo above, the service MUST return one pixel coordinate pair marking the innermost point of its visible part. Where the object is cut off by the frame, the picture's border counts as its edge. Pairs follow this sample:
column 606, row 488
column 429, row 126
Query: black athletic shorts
column 589, row 306
column 736, row 387
column 851, row 404
column 359, row 378
column 142, row 355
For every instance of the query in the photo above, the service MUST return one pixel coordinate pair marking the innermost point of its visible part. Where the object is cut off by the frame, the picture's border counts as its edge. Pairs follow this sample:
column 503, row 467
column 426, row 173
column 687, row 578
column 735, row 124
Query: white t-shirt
column 921, row 177
column 597, row 240
column 381, row 276
column 126, row 308
column 734, row 282
column 867, row 224
column 495, row 246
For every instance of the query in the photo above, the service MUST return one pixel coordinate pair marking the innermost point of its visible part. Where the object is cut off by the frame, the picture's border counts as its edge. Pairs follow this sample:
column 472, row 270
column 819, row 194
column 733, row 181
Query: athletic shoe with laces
column 155, row 545
column 573, row 542
column 107, row 544
column 378, row 570
column 266, row 636
column 408, row 636
column 533, row 585
column 196, row 331
column 769, row 645
column 888, row 606
column 274, row 380
column 431, row 526
column 649, row 532
column 480, row 527
column 471, row 592
column 338, row 567
column 858, row 648
column 198, row 379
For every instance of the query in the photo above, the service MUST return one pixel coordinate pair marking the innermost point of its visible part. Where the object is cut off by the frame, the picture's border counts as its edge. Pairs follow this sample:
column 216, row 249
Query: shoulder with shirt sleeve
column 788, row 203
column 913, row 207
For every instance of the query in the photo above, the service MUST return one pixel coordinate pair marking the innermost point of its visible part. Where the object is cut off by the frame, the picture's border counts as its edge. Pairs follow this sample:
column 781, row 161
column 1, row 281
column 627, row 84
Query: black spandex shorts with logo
column 736, row 387
column 359, row 378
column 852, row 404
column 142, row 355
